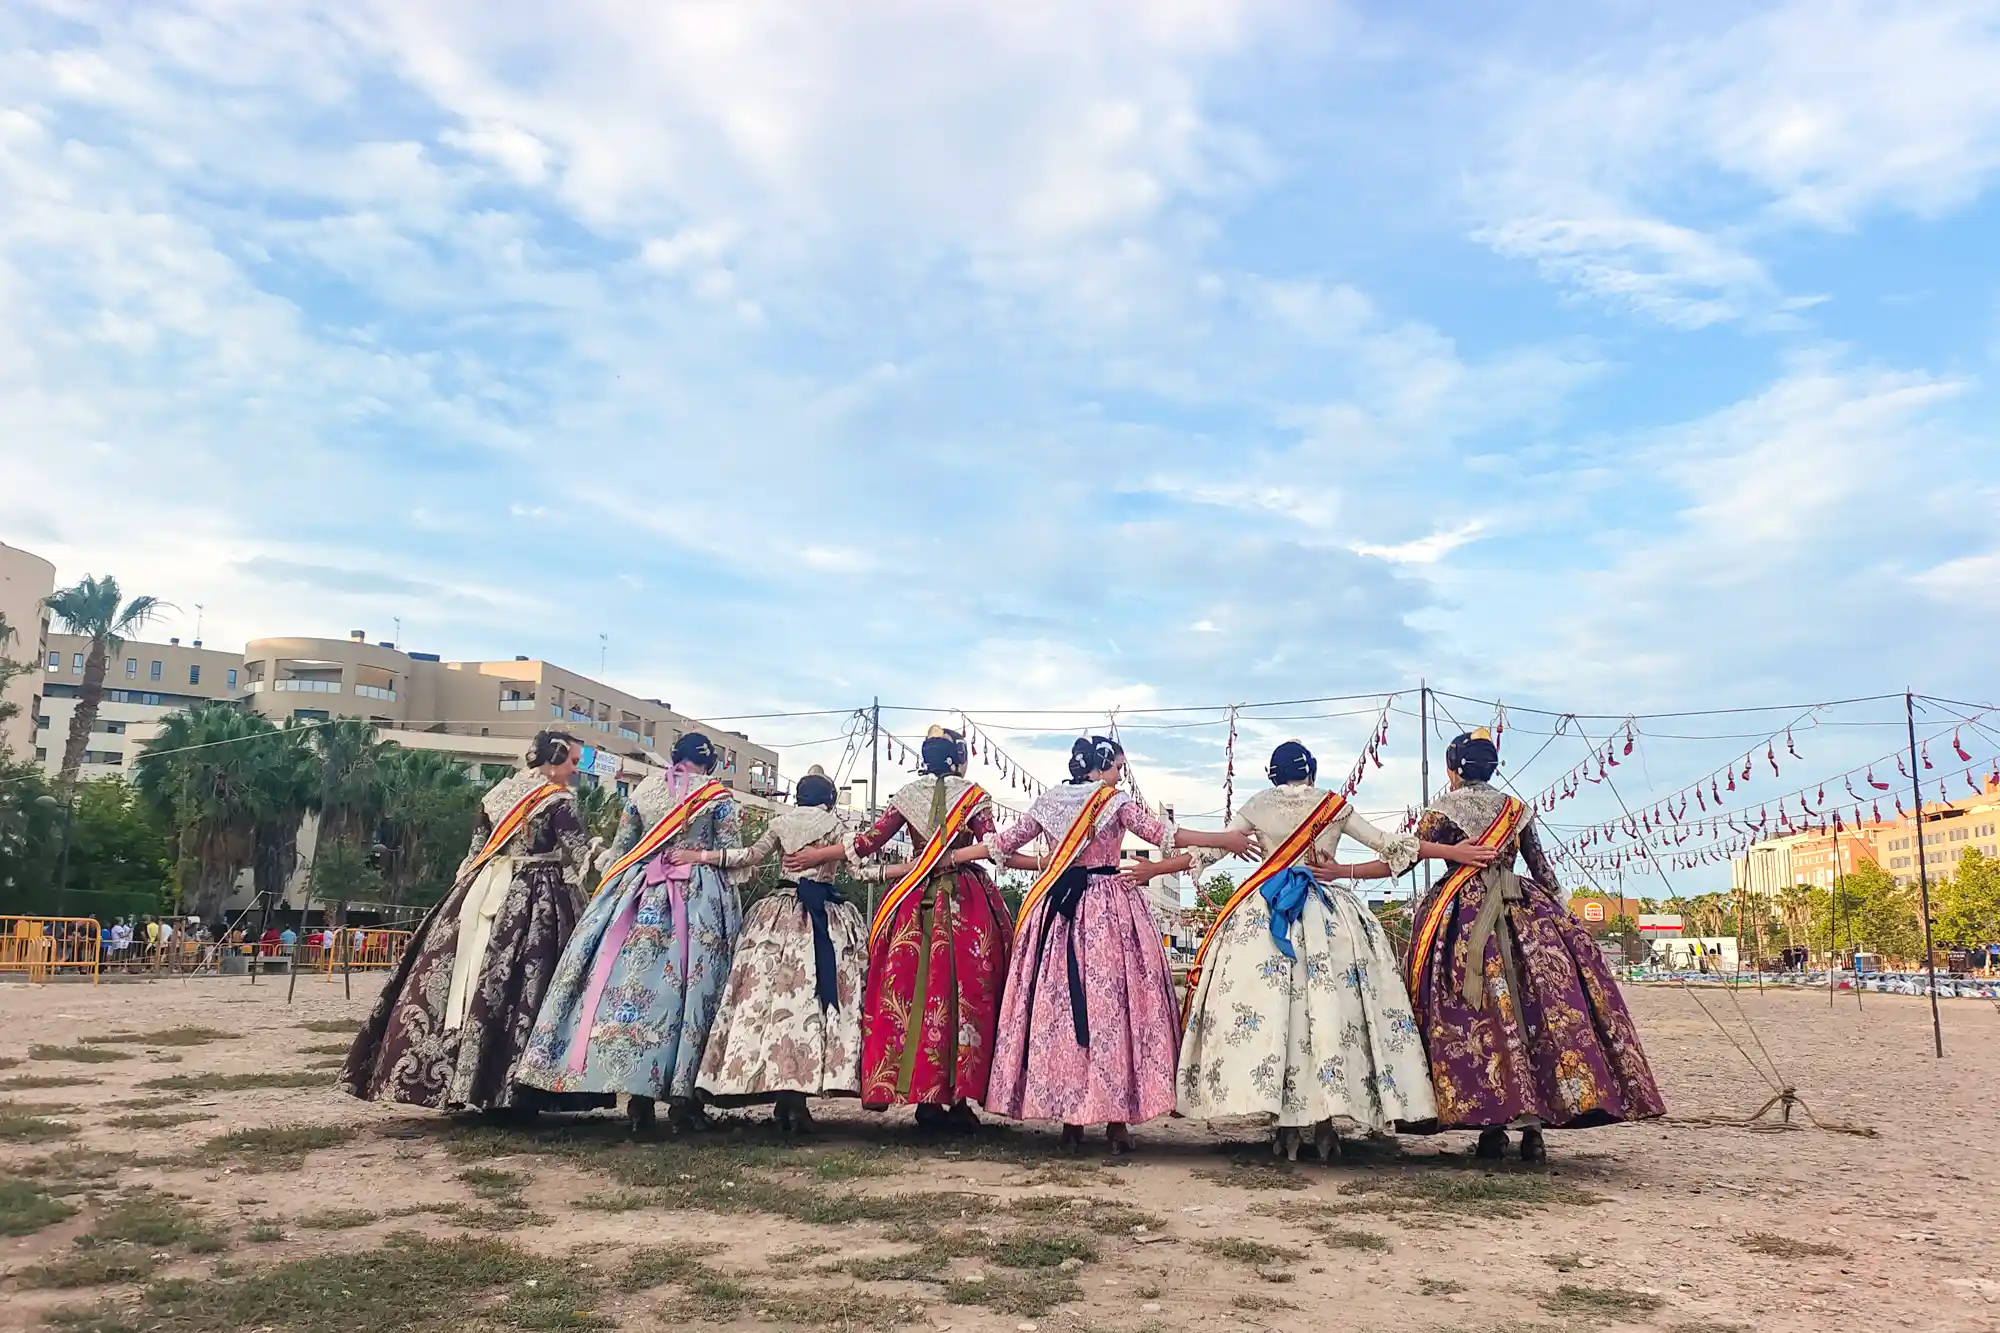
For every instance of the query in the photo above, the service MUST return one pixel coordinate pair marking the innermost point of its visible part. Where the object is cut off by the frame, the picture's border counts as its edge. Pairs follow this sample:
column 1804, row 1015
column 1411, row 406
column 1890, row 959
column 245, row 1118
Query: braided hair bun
column 1092, row 754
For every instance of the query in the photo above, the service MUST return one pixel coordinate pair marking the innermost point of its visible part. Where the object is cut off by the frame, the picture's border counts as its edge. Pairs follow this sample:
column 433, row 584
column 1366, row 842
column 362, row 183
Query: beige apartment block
column 1951, row 828
column 482, row 707
column 143, row 682
column 25, row 580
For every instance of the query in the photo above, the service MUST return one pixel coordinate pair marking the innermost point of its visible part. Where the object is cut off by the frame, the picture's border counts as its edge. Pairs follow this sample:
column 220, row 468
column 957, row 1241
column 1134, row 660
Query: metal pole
column 1923, row 871
column 1424, row 732
column 874, row 779
column 1832, row 908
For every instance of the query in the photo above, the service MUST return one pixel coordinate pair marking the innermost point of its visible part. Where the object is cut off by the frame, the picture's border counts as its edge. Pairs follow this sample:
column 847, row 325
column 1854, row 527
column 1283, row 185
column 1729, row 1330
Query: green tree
column 121, row 856
column 429, row 806
column 343, row 872
column 1967, row 906
column 30, row 826
column 97, row 610
column 1218, row 889
column 201, row 772
column 350, row 797
column 1887, row 919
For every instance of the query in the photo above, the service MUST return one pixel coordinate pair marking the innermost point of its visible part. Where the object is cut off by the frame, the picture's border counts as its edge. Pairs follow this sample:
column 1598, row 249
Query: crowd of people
column 520, row 993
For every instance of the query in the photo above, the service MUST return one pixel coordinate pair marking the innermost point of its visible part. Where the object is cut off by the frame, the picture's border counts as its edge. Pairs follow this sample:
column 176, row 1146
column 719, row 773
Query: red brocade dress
column 936, row 968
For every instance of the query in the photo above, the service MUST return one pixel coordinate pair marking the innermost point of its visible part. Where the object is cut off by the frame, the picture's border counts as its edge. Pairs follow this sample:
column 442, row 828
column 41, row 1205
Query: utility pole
column 1923, row 871
column 1424, row 732
column 875, row 757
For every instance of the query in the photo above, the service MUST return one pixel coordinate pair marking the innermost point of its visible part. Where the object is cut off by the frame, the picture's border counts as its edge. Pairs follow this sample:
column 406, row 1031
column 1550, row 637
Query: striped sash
column 510, row 825
column 1424, row 934
column 1066, row 851
column 1283, row 857
column 926, row 863
column 707, row 794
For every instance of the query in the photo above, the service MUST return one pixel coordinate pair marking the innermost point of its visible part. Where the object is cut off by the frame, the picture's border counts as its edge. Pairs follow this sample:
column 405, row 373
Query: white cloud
column 520, row 154
column 1423, row 550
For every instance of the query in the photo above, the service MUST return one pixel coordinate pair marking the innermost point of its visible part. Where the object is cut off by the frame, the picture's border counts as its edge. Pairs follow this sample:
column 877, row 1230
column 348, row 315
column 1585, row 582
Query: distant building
column 142, row 684
column 1951, row 828
column 25, row 580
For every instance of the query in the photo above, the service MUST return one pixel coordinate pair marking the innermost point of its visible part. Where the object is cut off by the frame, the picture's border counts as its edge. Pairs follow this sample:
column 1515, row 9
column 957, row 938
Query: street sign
column 1593, row 911
column 601, row 762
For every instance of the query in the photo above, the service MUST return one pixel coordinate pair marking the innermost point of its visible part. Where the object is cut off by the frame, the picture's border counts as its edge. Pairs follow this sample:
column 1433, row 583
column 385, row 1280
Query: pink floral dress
column 1088, row 1032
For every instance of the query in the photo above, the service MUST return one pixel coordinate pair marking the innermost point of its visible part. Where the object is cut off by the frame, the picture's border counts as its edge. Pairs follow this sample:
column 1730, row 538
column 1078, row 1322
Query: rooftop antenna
column 603, row 651
column 197, row 623
column 399, row 630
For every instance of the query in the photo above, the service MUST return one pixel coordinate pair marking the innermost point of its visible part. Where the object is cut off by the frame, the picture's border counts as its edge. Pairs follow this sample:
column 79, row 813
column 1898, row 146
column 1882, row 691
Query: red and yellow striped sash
column 1424, row 934
column 1066, row 851
column 707, row 794
column 510, row 824
column 926, row 863
column 1296, row 844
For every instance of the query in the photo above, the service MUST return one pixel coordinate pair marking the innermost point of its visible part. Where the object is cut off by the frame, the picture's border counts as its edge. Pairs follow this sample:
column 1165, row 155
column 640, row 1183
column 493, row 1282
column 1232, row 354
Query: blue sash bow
column 1285, row 894
column 814, row 895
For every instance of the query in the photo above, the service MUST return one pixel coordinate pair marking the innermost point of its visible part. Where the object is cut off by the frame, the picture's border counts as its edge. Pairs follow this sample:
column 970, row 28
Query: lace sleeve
column 1399, row 850
column 1016, row 836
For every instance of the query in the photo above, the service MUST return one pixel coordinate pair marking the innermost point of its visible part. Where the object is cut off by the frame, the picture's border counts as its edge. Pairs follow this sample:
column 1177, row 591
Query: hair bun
column 1092, row 754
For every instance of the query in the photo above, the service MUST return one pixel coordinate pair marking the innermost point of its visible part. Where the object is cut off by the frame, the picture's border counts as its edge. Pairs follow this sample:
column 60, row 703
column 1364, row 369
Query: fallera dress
column 1325, row 1034
column 632, row 1002
column 1089, row 1032
column 936, row 967
column 791, row 1012
column 1521, row 1017
column 457, row 1011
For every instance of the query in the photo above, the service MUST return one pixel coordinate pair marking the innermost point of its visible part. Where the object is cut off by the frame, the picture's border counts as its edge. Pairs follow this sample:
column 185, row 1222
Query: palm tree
column 202, row 772
column 95, row 609
column 284, row 786
column 429, row 803
column 350, row 778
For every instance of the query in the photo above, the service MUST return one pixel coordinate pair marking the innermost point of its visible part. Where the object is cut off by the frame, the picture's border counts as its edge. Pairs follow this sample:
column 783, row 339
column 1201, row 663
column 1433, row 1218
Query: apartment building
column 25, row 580
column 143, row 682
column 480, row 707
column 1951, row 829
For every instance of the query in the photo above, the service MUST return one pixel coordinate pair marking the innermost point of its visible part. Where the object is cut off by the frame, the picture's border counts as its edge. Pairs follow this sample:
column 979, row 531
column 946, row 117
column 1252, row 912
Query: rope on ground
column 1784, row 1096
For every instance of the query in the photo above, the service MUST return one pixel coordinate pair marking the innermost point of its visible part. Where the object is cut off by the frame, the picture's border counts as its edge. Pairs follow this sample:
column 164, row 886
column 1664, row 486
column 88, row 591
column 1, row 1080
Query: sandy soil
column 1908, row 1217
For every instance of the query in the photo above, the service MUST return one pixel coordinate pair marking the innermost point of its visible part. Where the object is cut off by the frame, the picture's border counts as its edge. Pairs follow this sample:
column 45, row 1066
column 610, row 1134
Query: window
column 154, row 673
column 194, row 675
column 55, row 661
column 76, row 664
column 41, row 755
column 42, row 722
column 232, row 678
column 110, row 757
column 310, row 714
column 131, row 668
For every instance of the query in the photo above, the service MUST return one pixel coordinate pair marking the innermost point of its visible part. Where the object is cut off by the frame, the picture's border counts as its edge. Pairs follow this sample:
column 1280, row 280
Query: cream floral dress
column 1326, row 1035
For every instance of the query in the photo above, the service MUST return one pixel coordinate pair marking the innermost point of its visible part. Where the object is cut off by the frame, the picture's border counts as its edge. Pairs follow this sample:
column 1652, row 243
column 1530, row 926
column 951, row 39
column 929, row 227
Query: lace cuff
column 1400, row 851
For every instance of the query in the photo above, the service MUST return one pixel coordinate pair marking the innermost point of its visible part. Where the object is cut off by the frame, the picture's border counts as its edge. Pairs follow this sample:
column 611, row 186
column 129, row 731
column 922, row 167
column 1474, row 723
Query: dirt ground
column 1670, row 1226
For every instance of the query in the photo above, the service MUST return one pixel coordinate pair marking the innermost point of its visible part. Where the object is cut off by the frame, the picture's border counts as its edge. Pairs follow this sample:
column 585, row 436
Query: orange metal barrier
column 39, row 945
column 374, row 948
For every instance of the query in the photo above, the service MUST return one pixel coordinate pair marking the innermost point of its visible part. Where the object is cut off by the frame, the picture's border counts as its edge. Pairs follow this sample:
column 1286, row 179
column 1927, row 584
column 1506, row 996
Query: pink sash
column 661, row 871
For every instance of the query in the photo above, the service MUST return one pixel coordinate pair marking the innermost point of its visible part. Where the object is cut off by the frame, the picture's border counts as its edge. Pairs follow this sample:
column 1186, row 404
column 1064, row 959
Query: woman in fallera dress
column 1524, row 1023
column 790, row 1023
column 638, row 988
column 937, row 946
column 1089, row 1032
column 456, row 1013
column 1296, row 1006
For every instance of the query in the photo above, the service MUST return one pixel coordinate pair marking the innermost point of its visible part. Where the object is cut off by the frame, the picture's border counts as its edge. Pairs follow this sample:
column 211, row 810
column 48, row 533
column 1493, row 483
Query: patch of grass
column 1259, row 1304
column 339, row 1048
column 331, row 1062
column 1563, row 1263
column 621, row 1201
column 70, row 1169
column 91, row 1268
column 26, row 1209
column 799, row 1254
column 645, row 1269
column 183, row 1036
column 709, row 1297
column 277, row 1147
column 338, row 1219
column 1023, row 1292
column 1784, row 1247
column 145, row 1120
column 1253, row 1173
column 147, row 1103
column 18, row 1127
column 1512, row 1195
column 1435, row 1286
column 1150, row 1292
column 25, row 1082
column 9, row 1061
column 853, row 1166
column 1106, row 1217
column 1245, row 1251
column 502, row 1218
column 78, row 1054
column 263, row 1233
column 1065, row 1175
column 830, row 1308
column 1703, row 1326
column 1599, row 1302
column 39, row 1108
column 143, row 1217
column 407, row 1283
column 235, row 1082
column 348, row 1025
column 490, row 1183
column 1043, row 1249
column 1347, row 1238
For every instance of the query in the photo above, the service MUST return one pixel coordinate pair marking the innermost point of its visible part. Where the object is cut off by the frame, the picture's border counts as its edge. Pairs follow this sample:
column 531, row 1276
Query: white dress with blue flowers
column 1325, row 1035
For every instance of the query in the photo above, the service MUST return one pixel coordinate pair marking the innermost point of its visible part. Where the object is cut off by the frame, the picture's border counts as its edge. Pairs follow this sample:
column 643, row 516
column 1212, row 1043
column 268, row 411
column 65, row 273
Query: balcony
column 375, row 692
column 253, row 687
column 628, row 733
column 518, row 705
column 299, row 685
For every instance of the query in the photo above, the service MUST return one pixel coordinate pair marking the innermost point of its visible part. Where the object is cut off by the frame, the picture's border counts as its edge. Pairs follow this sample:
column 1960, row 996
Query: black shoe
column 1532, row 1147
column 930, row 1118
column 961, row 1120
column 643, row 1118
column 1492, row 1145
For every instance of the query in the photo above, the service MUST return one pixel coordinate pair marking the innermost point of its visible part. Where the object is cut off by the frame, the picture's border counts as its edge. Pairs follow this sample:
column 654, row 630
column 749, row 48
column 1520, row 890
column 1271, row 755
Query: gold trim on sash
column 676, row 819
column 1073, row 839
column 1295, row 845
column 510, row 824
column 925, row 865
column 1504, row 826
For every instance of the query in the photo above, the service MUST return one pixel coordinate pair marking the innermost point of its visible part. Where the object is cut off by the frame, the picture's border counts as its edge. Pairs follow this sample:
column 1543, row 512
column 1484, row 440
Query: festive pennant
column 1771, row 754
column 1788, row 743
column 1927, row 754
column 1878, row 786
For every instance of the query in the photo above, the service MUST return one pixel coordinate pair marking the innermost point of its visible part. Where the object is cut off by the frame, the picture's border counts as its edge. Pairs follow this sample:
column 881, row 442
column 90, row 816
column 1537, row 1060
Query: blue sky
column 1028, row 356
